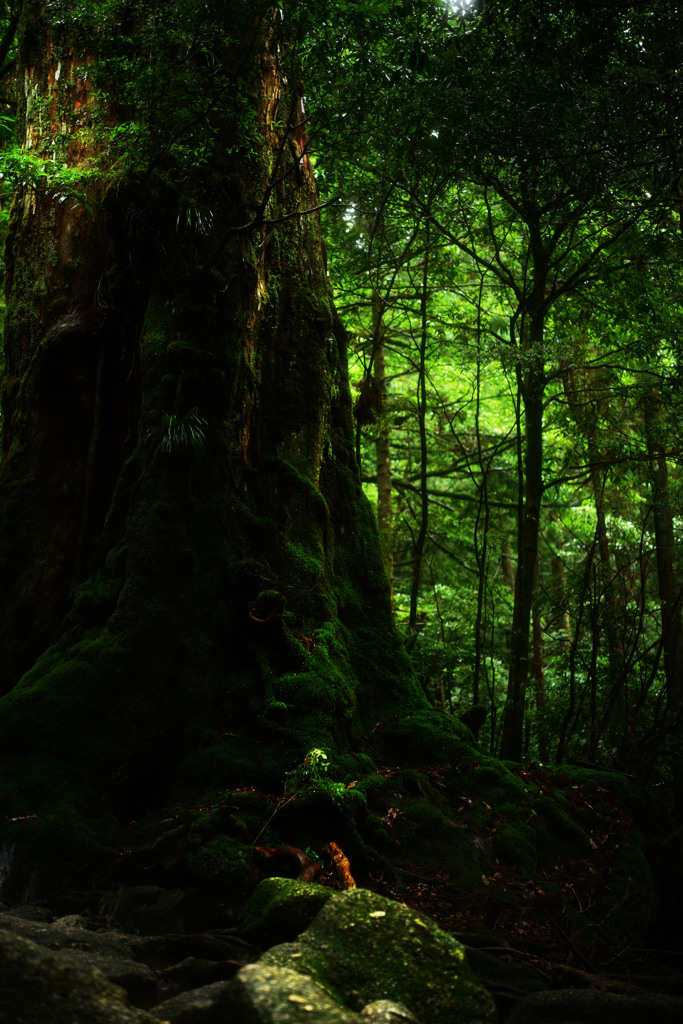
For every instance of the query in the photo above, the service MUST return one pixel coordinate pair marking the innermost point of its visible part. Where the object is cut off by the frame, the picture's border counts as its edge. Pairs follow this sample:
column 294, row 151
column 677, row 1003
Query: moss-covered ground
column 568, row 863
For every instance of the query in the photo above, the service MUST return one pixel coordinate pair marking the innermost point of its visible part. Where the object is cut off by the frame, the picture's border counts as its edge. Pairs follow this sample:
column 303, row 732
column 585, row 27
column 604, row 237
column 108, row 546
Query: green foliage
column 20, row 169
column 517, row 150
column 484, row 170
column 184, row 436
column 309, row 778
column 179, row 91
column 312, row 775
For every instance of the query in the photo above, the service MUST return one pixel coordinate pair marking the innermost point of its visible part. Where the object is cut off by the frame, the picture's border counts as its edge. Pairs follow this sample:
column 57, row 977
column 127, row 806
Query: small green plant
column 309, row 776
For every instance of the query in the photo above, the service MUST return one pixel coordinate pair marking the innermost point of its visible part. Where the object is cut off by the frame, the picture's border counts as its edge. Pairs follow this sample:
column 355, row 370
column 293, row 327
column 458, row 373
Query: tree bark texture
column 533, row 384
column 189, row 566
column 419, row 542
column 538, row 674
column 385, row 510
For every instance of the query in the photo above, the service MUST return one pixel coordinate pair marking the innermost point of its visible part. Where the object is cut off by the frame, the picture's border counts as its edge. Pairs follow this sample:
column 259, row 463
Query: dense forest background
column 502, row 193
column 504, row 229
column 340, row 489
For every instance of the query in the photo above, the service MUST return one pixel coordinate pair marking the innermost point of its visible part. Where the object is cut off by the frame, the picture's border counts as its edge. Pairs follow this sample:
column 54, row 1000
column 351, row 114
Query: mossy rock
column 270, row 994
column 40, row 986
column 515, row 844
column 627, row 904
column 432, row 837
column 279, row 909
column 559, row 835
column 225, row 862
column 362, row 947
column 421, row 737
column 491, row 784
column 535, row 828
column 383, row 1011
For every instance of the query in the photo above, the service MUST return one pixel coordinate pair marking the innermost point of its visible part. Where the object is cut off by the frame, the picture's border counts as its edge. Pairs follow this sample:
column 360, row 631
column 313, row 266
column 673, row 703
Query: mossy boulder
column 271, row 994
column 198, row 1004
column 279, row 909
column 112, row 953
column 362, row 948
column 40, row 986
column 514, row 844
column 429, row 832
column 383, row 1011
column 422, row 736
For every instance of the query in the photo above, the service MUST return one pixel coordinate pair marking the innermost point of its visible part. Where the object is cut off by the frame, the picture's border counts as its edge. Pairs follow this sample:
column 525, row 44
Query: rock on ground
column 362, row 947
column 43, row 986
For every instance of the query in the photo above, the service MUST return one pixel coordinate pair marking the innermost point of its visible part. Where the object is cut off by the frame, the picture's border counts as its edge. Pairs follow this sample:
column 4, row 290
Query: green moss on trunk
column 193, row 589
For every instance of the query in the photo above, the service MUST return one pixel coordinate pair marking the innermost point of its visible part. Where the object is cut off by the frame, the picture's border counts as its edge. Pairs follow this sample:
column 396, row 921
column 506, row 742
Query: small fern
column 185, row 436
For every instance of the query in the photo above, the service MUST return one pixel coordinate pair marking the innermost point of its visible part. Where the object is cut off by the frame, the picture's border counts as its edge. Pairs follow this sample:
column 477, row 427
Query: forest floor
column 548, row 924
column 523, row 929
column 559, row 931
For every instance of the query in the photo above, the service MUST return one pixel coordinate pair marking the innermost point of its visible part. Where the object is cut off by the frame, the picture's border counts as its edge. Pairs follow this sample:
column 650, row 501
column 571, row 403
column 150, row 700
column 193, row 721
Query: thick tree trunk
column 188, row 563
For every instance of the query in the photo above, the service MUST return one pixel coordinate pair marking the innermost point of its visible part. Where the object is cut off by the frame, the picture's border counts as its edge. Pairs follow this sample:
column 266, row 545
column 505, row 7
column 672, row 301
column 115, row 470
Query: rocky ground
column 303, row 951
column 461, row 893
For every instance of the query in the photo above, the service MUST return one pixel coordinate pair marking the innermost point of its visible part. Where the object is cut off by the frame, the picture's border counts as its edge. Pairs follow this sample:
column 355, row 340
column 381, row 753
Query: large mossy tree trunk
column 193, row 591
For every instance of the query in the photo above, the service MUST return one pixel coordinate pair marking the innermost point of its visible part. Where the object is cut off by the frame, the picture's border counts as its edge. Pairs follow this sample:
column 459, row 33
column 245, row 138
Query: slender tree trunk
column 612, row 603
column 420, row 540
column 610, row 620
column 560, row 578
column 481, row 527
column 538, row 674
column 482, row 522
column 532, row 387
column 385, row 512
